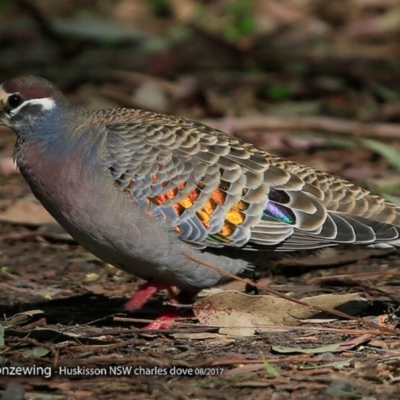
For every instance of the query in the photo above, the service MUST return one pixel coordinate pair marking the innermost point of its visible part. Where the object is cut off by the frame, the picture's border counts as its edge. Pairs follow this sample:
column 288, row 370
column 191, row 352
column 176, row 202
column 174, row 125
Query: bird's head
column 28, row 104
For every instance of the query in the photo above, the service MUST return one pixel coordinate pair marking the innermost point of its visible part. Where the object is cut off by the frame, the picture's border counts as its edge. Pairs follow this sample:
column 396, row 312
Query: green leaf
column 269, row 367
column 391, row 198
column 278, row 92
column 389, row 153
column 37, row 352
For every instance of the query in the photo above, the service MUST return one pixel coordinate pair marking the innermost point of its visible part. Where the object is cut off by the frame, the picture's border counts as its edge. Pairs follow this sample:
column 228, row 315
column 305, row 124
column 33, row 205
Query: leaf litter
column 29, row 254
column 102, row 340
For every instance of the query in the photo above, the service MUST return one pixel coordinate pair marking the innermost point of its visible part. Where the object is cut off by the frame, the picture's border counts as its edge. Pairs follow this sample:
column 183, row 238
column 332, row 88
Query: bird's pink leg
column 143, row 294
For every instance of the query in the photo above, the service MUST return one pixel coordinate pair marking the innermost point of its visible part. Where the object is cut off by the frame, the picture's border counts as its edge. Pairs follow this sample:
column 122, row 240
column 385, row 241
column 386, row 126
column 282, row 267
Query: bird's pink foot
column 166, row 319
column 143, row 294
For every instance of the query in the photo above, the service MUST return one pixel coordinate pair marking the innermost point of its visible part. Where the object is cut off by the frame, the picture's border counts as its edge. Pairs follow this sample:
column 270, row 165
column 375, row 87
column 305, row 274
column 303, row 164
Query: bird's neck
column 54, row 139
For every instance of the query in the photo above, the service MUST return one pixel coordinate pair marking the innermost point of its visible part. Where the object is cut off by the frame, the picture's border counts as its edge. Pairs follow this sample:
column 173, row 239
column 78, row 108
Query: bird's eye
column 14, row 101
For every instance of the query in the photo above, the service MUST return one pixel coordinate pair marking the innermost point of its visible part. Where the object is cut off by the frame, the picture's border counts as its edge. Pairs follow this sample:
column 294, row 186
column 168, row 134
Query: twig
column 335, row 126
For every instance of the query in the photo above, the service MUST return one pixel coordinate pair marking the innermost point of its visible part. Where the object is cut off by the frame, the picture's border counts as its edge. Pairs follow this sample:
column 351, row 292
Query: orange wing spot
column 218, row 196
column 161, row 199
column 181, row 186
column 193, row 195
column 178, row 209
column 130, row 184
column 165, row 183
column 186, row 203
column 227, row 229
column 154, row 178
column 117, row 182
column 201, row 185
column 209, row 207
column 242, row 205
column 160, row 167
column 171, row 194
column 203, row 216
column 235, row 217
column 177, row 228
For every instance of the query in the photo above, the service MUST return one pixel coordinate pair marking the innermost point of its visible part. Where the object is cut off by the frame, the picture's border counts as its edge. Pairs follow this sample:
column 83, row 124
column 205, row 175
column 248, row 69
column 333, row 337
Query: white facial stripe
column 3, row 97
column 47, row 103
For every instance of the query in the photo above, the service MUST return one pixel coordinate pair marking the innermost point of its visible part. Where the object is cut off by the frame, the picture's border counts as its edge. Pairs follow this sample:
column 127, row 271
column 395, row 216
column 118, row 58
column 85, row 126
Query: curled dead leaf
column 239, row 314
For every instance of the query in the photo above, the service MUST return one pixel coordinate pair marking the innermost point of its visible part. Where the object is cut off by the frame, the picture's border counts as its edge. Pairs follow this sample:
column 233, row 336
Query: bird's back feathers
column 215, row 190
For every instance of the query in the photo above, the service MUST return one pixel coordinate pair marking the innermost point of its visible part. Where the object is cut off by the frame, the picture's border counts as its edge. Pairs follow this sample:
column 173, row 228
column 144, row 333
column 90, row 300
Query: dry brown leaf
column 239, row 314
column 7, row 166
column 26, row 211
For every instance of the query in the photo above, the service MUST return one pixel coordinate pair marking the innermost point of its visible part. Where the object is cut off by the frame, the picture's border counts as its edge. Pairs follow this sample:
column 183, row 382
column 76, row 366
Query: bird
column 162, row 197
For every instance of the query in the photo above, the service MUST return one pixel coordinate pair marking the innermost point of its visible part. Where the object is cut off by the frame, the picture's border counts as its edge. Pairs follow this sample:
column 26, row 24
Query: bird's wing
column 216, row 190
